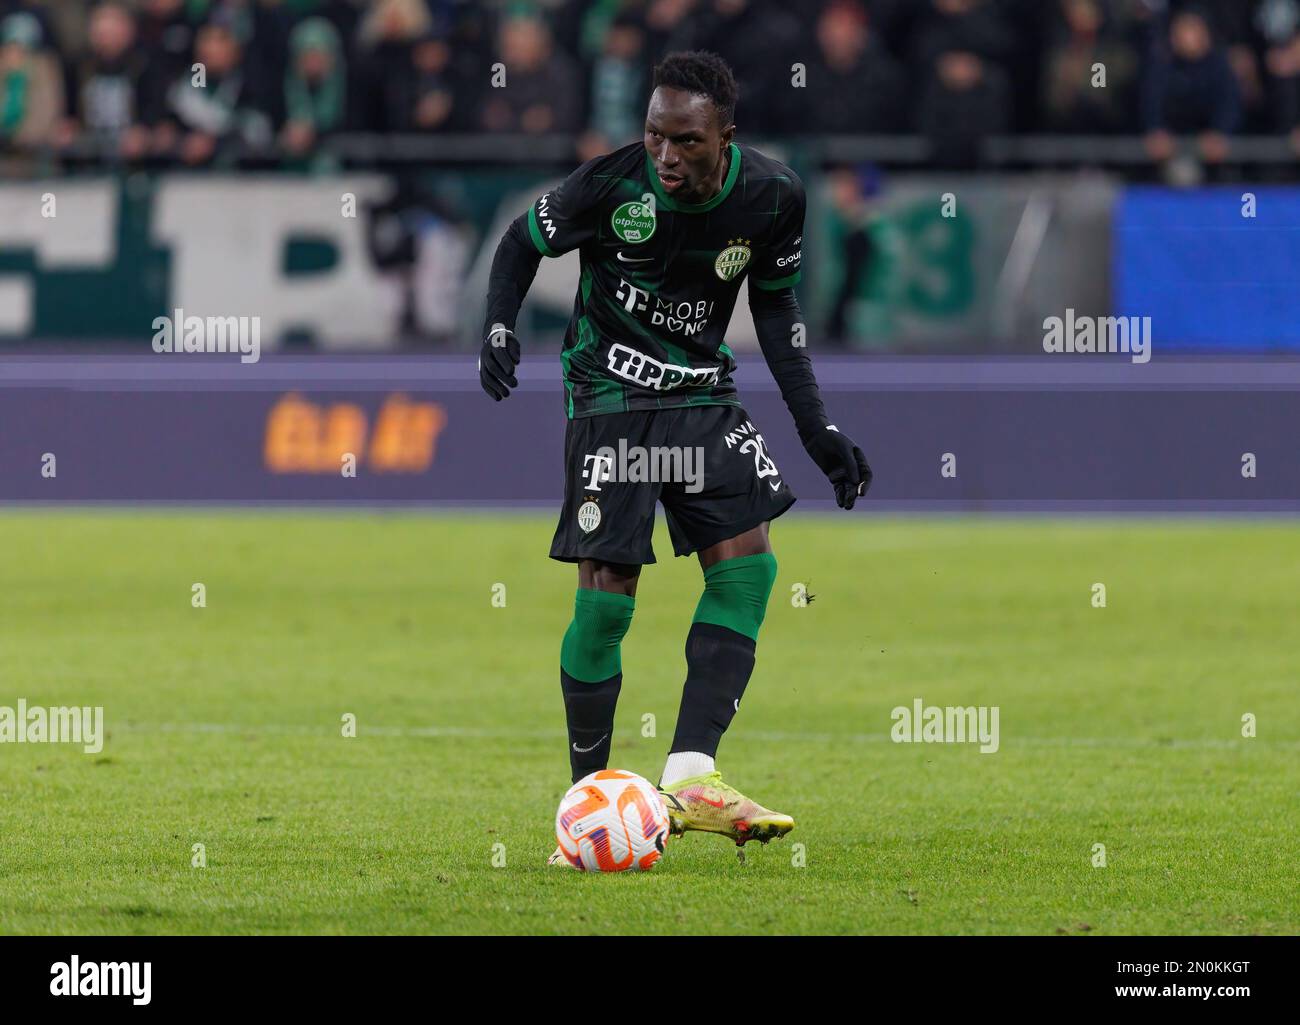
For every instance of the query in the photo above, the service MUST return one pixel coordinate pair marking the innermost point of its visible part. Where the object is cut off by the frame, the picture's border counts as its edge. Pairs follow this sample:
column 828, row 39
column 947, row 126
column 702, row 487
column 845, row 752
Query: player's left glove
column 841, row 461
column 497, row 361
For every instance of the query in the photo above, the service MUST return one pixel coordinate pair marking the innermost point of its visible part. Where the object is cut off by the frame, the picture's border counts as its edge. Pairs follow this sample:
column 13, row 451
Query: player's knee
column 736, row 592
column 601, row 619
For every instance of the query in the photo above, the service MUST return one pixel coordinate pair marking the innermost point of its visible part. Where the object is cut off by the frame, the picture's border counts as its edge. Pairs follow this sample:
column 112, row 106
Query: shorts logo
column 596, row 470
column 637, row 366
column 732, row 260
column 635, row 222
column 588, row 516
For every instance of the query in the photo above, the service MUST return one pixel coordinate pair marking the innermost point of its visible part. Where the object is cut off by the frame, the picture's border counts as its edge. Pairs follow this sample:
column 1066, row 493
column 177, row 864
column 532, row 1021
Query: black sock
column 719, row 663
column 589, row 709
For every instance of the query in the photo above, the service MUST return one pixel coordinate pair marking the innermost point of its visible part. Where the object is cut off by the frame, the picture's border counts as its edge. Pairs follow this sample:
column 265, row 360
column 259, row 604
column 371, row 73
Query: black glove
column 497, row 361
column 841, row 461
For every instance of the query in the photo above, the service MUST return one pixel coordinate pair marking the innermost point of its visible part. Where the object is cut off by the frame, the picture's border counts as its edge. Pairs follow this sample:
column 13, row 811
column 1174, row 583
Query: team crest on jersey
column 732, row 260
column 588, row 516
column 634, row 222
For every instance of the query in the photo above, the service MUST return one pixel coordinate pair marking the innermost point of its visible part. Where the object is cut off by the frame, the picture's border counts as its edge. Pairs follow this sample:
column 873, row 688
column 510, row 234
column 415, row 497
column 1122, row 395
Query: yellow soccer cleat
column 706, row 803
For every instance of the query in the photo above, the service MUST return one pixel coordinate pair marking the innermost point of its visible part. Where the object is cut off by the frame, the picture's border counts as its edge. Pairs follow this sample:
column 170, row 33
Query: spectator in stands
column 263, row 35
column 618, row 82
column 386, row 93
column 973, row 67
column 1280, row 38
column 964, row 95
column 665, row 25
column 31, row 89
column 855, row 86
column 216, row 108
column 106, row 105
column 239, row 15
column 760, row 39
column 1241, row 26
column 961, row 26
column 542, row 91
column 1072, row 99
column 966, row 100
column 165, row 36
column 412, row 77
column 315, row 86
column 1189, row 87
column 261, row 28
column 52, row 40
column 439, row 93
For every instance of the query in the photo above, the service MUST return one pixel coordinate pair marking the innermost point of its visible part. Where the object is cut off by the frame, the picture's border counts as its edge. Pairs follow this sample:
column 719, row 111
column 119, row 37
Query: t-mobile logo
column 596, row 469
column 634, row 300
column 642, row 464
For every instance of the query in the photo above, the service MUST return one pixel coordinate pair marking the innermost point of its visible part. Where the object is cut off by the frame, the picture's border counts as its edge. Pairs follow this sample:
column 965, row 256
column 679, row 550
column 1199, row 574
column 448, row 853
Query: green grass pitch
column 1119, row 726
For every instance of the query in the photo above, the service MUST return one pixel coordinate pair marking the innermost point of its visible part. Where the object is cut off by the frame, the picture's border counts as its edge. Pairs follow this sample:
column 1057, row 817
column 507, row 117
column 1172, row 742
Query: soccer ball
column 612, row 821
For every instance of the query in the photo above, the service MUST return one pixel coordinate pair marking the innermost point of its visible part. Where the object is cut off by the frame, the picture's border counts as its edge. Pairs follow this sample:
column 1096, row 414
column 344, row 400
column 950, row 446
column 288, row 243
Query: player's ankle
column 685, row 765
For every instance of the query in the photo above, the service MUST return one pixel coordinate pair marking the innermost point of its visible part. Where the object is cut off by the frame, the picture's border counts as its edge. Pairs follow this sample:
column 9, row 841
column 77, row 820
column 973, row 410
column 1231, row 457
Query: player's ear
column 728, row 134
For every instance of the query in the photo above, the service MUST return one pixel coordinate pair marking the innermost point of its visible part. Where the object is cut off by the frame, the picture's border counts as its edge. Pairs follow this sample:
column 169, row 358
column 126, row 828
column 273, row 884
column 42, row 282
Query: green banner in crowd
column 368, row 262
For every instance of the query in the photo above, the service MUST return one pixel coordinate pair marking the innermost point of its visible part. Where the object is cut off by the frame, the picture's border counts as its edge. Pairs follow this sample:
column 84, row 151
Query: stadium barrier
column 1274, row 155
column 1052, row 433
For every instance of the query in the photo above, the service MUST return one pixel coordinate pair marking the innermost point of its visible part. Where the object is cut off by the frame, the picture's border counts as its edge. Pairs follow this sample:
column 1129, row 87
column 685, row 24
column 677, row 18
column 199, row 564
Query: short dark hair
column 704, row 74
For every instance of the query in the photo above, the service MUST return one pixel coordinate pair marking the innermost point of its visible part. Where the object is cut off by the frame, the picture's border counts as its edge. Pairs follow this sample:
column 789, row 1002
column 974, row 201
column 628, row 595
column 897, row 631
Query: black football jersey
column 660, row 277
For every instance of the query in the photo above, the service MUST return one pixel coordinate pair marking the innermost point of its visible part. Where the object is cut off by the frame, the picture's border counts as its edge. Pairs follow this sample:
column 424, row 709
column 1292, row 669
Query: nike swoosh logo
column 629, row 259
column 585, row 750
column 716, row 804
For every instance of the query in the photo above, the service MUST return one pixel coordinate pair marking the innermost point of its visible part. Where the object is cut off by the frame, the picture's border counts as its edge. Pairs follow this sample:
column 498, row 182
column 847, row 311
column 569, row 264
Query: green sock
column 736, row 593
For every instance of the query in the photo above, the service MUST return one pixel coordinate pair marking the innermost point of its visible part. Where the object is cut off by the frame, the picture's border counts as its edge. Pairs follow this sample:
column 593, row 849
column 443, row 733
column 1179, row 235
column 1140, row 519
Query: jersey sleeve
column 565, row 218
column 777, row 261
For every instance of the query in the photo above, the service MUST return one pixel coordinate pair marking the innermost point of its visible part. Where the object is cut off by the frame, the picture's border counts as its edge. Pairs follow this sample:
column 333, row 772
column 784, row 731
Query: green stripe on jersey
column 536, row 232
column 772, row 286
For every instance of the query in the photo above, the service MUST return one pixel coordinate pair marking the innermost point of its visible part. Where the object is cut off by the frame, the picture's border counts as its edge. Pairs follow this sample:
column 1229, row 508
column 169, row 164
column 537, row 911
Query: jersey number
column 763, row 464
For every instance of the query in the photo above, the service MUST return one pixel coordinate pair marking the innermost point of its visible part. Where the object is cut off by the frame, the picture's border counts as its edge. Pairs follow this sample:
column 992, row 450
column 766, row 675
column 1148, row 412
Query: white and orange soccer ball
column 612, row 821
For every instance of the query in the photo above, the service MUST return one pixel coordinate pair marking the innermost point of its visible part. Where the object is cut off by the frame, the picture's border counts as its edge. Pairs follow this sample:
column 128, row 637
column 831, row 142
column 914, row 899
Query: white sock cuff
column 685, row 764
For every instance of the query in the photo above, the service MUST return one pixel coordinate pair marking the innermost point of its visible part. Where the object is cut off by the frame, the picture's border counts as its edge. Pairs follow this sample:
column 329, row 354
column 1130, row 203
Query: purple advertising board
column 1043, row 434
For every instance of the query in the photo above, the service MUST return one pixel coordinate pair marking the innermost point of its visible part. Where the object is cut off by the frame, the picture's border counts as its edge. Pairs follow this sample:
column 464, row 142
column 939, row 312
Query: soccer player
column 667, row 229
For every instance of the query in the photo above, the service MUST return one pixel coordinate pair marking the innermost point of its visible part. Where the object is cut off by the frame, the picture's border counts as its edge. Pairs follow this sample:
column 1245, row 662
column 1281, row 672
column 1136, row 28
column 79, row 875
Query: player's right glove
column 497, row 361
column 841, row 461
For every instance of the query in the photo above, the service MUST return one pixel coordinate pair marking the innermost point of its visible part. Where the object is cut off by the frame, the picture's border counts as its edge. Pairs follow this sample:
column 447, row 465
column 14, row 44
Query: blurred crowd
column 196, row 82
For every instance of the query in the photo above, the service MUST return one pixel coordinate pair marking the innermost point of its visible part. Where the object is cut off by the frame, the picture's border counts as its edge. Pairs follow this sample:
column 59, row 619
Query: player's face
column 686, row 143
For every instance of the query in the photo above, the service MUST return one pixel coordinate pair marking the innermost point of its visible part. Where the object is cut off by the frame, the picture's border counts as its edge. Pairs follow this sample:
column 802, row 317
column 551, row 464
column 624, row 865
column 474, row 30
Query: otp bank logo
column 307, row 437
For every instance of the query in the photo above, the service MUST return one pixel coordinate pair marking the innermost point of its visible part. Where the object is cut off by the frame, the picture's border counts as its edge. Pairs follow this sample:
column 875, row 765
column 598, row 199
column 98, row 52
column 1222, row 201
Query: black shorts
column 707, row 464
